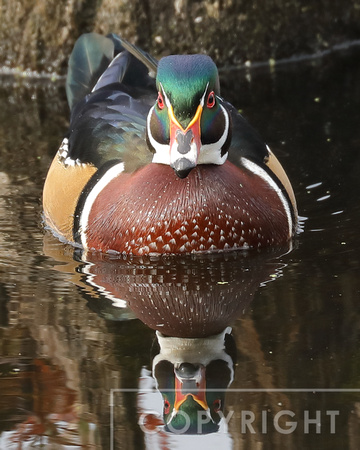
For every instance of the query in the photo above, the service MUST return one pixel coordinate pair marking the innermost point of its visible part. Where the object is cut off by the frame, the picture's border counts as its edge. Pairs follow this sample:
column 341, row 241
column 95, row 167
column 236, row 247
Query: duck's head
column 188, row 125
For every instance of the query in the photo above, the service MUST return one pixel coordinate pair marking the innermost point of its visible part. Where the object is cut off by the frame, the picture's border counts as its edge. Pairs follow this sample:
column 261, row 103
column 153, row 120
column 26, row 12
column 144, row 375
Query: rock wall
column 39, row 34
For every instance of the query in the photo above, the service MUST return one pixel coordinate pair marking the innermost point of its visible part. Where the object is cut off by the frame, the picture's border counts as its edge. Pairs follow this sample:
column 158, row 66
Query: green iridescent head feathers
column 184, row 79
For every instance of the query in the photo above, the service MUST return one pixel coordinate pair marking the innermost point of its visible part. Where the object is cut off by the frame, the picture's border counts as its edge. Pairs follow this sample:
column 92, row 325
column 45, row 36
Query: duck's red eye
column 211, row 100
column 160, row 101
column 166, row 406
column 217, row 405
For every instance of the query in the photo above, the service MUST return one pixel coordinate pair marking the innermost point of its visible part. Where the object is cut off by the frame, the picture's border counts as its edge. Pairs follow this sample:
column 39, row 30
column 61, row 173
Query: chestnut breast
column 214, row 208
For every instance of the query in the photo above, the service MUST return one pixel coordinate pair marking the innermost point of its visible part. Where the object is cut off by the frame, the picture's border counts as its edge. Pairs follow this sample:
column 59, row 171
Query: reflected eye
column 166, row 407
column 217, row 405
column 211, row 100
column 160, row 101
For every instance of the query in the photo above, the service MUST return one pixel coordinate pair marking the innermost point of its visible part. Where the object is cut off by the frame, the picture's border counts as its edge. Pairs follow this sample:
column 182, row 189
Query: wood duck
column 160, row 165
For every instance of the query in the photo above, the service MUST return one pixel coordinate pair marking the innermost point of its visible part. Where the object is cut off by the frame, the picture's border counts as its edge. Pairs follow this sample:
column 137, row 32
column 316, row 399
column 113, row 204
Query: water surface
column 78, row 340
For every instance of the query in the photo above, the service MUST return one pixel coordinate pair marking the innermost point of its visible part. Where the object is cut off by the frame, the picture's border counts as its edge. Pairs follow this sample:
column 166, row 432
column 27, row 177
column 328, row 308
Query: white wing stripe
column 108, row 176
column 255, row 169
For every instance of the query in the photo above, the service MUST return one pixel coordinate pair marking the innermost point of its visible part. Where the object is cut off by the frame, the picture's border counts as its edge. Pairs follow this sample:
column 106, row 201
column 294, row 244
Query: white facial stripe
column 210, row 153
column 257, row 170
column 167, row 101
column 108, row 176
column 202, row 101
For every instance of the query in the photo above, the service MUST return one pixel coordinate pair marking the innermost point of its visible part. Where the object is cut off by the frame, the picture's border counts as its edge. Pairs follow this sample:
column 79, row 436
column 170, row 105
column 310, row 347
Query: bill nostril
column 184, row 141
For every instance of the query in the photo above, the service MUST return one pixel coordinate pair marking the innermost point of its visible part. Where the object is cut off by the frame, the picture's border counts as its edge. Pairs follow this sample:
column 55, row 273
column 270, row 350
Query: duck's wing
column 149, row 61
column 110, row 126
column 110, row 98
column 97, row 61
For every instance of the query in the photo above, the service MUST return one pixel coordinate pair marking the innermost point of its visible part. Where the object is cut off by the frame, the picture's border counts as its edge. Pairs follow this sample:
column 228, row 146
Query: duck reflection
column 192, row 375
column 191, row 303
column 188, row 297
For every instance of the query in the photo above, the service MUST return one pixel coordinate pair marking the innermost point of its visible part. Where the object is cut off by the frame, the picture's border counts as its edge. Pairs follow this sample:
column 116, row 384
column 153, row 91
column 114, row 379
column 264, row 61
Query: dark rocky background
column 39, row 34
